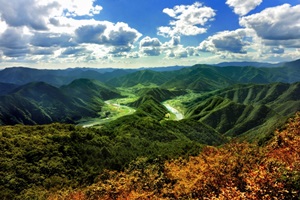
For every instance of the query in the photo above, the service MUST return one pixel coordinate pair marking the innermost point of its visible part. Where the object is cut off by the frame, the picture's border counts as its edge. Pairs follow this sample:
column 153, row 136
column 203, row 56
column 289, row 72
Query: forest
column 84, row 134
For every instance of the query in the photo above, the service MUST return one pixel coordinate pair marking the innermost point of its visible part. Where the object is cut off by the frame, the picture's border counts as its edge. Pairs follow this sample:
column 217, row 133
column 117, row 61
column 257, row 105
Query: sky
column 146, row 33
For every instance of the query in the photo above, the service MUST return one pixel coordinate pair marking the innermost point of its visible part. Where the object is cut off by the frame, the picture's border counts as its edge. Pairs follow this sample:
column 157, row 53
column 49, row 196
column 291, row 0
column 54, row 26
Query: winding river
column 173, row 110
column 121, row 111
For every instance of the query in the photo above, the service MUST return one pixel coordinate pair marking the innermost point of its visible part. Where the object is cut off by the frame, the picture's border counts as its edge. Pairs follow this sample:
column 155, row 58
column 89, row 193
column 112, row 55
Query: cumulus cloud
column 29, row 13
column 119, row 34
column 52, row 40
column 243, row 7
column 175, row 41
column 90, row 33
column 14, row 43
column 74, row 51
column 150, row 46
column 80, row 7
column 229, row 41
column 41, row 51
column 147, row 41
column 293, row 43
column 181, row 54
column 180, row 51
column 38, row 14
column 276, row 23
column 188, row 20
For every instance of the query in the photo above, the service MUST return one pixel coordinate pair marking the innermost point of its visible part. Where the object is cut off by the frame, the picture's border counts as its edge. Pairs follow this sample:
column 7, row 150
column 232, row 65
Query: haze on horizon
column 133, row 34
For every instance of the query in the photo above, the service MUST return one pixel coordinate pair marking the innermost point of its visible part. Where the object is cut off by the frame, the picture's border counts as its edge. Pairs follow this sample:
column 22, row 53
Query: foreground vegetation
column 43, row 158
column 233, row 171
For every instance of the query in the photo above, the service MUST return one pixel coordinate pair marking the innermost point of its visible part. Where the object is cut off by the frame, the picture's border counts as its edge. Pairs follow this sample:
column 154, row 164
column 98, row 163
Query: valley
column 72, row 129
column 174, row 111
column 110, row 112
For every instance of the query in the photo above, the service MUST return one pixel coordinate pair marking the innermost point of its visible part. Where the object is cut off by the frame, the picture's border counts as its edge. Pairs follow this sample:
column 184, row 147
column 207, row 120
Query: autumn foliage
column 233, row 171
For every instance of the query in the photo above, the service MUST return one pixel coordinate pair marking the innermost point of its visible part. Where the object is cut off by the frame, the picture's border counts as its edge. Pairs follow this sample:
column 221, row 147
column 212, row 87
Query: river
column 116, row 109
column 179, row 116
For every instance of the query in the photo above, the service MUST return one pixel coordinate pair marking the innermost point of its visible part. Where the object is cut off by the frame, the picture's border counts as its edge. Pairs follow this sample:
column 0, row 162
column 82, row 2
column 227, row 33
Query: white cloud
column 243, row 7
column 29, row 13
column 90, row 33
column 147, row 41
column 39, row 14
column 52, row 40
column 80, row 7
column 227, row 41
column 276, row 23
column 46, row 25
column 293, row 43
column 120, row 34
column 150, row 46
column 14, row 42
column 188, row 20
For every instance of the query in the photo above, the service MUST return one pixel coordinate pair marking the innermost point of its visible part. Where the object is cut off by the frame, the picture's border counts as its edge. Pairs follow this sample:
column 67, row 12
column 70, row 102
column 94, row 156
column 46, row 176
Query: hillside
column 159, row 94
column 23, row 75
column 233, row 171
column 198, row 77
column 90, row 92
column 144, row 77
column 6, row 88
column 247, row 109
column 41, row 103
column 49, row 157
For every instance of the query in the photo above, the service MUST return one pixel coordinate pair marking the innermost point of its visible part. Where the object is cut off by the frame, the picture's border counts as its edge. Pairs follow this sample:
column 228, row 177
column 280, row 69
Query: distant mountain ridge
column 198, row 77
column 248, row 64
column 57, row 77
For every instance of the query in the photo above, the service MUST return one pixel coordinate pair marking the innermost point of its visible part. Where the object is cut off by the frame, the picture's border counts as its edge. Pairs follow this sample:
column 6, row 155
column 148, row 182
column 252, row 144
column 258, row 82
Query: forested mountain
column 23, row 75
column 41, row 103
column 232, row 171
column 140, row 77
column 132, row 115
column 208, row 77
column 57, row 154
column 6, row 88
column 247, row 109
column 198, row 77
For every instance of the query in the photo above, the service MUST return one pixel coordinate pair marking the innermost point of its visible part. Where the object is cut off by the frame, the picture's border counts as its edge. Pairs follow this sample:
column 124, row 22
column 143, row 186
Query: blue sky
column 148, row 33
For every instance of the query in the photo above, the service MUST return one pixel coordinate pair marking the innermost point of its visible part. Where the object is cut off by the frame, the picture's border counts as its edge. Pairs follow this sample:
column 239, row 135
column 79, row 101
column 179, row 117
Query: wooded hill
column 229, row 103
column 41, row 103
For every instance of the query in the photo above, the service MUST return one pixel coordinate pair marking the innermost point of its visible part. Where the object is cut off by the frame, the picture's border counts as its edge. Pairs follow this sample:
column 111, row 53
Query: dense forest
column 110, row 134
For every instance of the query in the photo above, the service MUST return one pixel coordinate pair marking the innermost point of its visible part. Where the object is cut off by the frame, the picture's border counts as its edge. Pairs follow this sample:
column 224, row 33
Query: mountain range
column 41, row 103
column 220, row 105
column 32, row 96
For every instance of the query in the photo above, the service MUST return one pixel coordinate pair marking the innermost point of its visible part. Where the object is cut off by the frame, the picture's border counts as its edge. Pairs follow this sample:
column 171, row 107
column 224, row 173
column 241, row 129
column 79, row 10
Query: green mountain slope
column 144, row 77
column 158, row 94
column 6, row 88
column 23, row 75
column 245, row 109
column 41, row 103
column 199, row 78
column 90, row 92
column 207, row 78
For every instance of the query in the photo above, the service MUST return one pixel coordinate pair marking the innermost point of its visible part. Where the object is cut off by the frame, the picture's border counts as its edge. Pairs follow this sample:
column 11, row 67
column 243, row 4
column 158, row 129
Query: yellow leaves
column 235, row 171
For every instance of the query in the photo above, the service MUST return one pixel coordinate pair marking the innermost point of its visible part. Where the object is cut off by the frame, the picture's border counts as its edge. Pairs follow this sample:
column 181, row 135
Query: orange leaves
column 214, row 171
column 234, row 171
